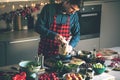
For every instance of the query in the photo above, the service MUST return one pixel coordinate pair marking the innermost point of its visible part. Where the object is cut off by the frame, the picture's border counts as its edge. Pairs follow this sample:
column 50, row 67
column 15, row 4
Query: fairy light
column 21, row 6
column 33, row 4
column 45, row 3
column 26, row 5
column 2, row 6
column 7, row 1
column 42, row 3
column 13, row 7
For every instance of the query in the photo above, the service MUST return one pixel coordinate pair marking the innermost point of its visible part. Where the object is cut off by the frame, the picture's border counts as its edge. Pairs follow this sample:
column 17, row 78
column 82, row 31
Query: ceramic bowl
column 24, row 64
column 65, row 57
column 99, row 70
column 29, row 66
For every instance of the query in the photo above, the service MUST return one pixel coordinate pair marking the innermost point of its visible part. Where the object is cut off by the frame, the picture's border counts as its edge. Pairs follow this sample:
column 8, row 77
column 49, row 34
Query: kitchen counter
column 112, row 72
column 18, row 35
column 14, row 45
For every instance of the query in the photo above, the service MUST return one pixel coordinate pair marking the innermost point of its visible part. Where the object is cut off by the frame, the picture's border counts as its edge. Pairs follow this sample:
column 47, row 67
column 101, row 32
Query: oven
column 90, row 20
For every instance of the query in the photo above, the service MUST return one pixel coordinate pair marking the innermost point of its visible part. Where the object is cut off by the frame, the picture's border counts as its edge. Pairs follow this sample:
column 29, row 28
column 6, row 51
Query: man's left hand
column 69, row 49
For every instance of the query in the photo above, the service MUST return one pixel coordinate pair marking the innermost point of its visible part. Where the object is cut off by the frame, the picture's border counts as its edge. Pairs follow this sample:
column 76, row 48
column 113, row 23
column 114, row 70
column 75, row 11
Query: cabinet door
column 21, row 50
column 2, row 54
column 88, row 44
column 110, row 24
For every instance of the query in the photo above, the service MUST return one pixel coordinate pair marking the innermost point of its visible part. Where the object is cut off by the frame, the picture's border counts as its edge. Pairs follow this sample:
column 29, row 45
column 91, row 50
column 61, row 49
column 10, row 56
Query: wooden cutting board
column 107, row 53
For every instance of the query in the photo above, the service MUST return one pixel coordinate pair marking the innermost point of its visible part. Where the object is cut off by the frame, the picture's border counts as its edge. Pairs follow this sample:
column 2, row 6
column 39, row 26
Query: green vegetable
column 98, row 65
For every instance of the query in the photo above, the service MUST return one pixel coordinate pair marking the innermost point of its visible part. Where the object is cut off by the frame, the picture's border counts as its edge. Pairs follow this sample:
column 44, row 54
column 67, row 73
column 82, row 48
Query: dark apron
column 50, row 47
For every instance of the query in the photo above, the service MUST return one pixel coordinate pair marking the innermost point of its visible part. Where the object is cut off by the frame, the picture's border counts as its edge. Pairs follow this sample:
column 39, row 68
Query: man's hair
column 76, row 2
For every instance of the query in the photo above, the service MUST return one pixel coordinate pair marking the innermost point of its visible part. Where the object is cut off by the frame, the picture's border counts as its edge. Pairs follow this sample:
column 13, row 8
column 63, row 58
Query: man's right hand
column 60, row 39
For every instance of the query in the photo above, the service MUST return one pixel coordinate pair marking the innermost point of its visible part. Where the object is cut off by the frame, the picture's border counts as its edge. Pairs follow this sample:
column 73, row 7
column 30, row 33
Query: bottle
column 42, row 61
column 37, row 60
column 94, row 53
column 89, row 75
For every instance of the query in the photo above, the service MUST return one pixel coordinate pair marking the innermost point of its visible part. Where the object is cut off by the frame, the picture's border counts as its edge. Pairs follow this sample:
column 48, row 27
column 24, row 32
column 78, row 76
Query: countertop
column 18, row 35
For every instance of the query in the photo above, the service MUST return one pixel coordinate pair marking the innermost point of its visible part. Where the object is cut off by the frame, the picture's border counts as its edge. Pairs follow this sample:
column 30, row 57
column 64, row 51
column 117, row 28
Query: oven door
column 90, row 19
column 90, row 23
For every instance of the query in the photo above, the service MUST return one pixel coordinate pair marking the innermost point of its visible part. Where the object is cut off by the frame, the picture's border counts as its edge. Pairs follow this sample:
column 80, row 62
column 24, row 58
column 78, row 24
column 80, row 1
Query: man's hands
column 69, row 48
column 64, row 47
column 60, row 39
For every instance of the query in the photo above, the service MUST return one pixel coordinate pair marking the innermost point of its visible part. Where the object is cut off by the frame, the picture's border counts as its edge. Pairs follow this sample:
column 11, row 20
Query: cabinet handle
column 20, row 41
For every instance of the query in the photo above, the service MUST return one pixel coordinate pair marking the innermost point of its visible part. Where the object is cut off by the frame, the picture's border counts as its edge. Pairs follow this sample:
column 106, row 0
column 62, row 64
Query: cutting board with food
column 107, row 53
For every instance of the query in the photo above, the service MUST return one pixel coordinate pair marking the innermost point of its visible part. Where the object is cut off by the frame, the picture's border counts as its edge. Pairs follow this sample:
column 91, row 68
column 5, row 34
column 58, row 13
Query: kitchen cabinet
column 2, row 54
column 21, row 50
column 110, row 24
column 88, row 44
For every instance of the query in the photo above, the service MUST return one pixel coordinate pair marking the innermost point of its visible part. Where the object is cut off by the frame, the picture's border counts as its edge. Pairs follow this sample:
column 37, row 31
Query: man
column 58, row 24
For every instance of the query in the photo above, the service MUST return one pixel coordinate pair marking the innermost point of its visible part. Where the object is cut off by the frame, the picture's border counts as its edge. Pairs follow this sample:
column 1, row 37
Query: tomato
column 23, row 74
column 16, row 77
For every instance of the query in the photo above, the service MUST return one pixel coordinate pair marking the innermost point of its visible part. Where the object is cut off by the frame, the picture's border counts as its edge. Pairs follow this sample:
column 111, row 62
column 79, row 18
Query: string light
column 21, row 6
column 32, row 7
column 7, row 1
column 2, row 6
column 33, row 4
column 13, row 7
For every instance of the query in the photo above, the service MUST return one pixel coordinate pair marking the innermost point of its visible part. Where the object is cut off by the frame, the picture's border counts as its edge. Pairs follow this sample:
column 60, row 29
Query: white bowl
column 30, row 66
column 24, row 64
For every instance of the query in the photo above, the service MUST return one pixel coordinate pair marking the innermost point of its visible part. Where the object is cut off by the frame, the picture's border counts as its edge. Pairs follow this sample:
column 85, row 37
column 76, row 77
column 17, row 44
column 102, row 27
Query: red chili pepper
column 23, row 74
column 20, row 76
column 15, row 77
